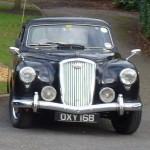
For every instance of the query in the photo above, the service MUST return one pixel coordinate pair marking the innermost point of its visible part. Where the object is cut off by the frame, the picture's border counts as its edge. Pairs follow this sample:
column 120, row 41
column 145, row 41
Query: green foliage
column 145, row 17
column 17, row 4
column 143, row 14
column 148, row 22
column 3, row 88
column 128, row 4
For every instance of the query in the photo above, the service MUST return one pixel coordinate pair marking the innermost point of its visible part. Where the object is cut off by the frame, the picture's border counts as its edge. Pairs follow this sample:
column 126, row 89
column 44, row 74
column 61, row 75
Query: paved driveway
column 63, row 136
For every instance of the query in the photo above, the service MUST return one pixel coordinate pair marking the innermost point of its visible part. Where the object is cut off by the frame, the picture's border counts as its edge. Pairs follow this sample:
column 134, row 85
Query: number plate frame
column 67, row 117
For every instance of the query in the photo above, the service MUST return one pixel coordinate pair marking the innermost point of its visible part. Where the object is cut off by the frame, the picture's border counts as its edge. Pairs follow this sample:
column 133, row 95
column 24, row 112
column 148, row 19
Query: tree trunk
column 17, row 5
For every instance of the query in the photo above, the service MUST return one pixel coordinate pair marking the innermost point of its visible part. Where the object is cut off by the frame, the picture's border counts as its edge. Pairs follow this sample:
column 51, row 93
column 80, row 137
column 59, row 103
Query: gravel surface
column 3, row 74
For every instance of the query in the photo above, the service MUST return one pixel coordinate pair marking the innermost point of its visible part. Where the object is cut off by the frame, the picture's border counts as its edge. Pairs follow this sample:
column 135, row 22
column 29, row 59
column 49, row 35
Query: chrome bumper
column 119, row 106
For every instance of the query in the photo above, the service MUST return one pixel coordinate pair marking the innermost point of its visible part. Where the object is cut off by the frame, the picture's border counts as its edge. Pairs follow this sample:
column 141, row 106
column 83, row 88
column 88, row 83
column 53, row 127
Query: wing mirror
column 14, row 50
column 134, row 52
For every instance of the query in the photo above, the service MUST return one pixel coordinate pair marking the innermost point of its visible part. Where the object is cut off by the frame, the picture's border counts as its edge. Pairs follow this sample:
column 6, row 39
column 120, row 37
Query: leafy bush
column 145, row 17
column 128, row 4
column 148, row 22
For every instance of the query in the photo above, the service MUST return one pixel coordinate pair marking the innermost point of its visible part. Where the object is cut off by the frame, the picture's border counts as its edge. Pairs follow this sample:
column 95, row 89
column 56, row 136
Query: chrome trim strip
column 78, row 110
column 121, row 104
column 35, row 104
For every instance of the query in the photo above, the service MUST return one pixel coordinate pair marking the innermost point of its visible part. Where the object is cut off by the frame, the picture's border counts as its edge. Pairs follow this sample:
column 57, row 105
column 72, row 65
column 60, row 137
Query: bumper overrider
column 36, row 104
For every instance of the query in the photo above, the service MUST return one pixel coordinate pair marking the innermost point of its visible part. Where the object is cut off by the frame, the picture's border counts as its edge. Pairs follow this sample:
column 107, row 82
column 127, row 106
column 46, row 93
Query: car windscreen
column 86, row 35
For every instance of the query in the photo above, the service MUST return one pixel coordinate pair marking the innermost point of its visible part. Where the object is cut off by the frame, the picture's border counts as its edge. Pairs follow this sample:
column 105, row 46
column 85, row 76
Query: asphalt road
column 66, row 136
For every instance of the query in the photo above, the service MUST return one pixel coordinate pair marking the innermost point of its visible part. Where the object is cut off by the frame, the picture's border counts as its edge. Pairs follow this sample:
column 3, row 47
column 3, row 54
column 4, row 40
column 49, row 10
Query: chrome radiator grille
column 77, row 81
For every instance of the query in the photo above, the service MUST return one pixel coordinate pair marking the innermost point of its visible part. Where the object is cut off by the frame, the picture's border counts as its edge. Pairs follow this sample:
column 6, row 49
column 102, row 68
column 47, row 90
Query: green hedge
column 145, row 17
column 128, row 4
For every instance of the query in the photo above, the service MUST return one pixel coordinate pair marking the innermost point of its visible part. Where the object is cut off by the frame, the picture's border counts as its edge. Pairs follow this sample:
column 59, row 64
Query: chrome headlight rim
column 102, row 98
column 48, row 88
column 128, row 71
column 27, row 70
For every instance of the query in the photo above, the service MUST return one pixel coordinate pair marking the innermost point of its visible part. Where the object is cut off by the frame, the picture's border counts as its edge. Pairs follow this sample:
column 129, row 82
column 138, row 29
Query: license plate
column 66, row 117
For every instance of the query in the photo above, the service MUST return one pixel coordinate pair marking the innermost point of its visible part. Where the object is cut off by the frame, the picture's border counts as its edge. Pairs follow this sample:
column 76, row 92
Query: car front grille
column 77, row 81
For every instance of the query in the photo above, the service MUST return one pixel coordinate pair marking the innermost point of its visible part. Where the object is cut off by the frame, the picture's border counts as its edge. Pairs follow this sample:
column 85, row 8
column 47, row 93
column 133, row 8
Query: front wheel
column 20, row 118
column 128, row 123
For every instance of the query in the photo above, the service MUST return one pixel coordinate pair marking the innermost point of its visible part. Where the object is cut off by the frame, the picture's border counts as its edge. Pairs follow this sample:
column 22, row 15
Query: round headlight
column 128, row 76
column 27, row 74
column 107, row 95
column 48, row 93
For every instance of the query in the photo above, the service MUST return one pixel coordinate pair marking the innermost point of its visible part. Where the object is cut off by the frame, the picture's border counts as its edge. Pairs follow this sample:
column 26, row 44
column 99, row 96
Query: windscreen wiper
column 60, row 45
column 70, row 47
column 66, row 46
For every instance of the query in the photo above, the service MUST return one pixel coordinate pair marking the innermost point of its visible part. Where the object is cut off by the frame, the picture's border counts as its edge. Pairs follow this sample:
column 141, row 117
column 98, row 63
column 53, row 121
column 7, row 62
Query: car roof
column 67, row 20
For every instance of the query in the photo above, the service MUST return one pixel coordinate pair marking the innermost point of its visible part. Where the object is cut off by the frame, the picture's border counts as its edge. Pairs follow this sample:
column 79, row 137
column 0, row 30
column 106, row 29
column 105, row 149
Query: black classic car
column 71, row 67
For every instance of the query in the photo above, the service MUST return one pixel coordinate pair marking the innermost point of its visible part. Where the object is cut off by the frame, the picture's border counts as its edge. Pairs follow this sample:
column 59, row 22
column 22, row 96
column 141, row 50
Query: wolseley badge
column 77, row 65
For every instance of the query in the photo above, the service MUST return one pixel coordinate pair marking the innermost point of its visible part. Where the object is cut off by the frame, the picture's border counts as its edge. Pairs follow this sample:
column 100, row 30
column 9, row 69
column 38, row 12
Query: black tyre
column 128, row 123
column 20, row 118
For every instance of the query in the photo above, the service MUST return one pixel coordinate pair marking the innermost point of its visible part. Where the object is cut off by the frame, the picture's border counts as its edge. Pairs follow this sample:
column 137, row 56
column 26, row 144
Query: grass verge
column 3, row 88
column 10, row 25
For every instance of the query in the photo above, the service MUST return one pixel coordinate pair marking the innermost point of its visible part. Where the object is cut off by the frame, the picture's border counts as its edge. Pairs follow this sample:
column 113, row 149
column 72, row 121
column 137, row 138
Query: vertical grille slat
column 77, row 81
